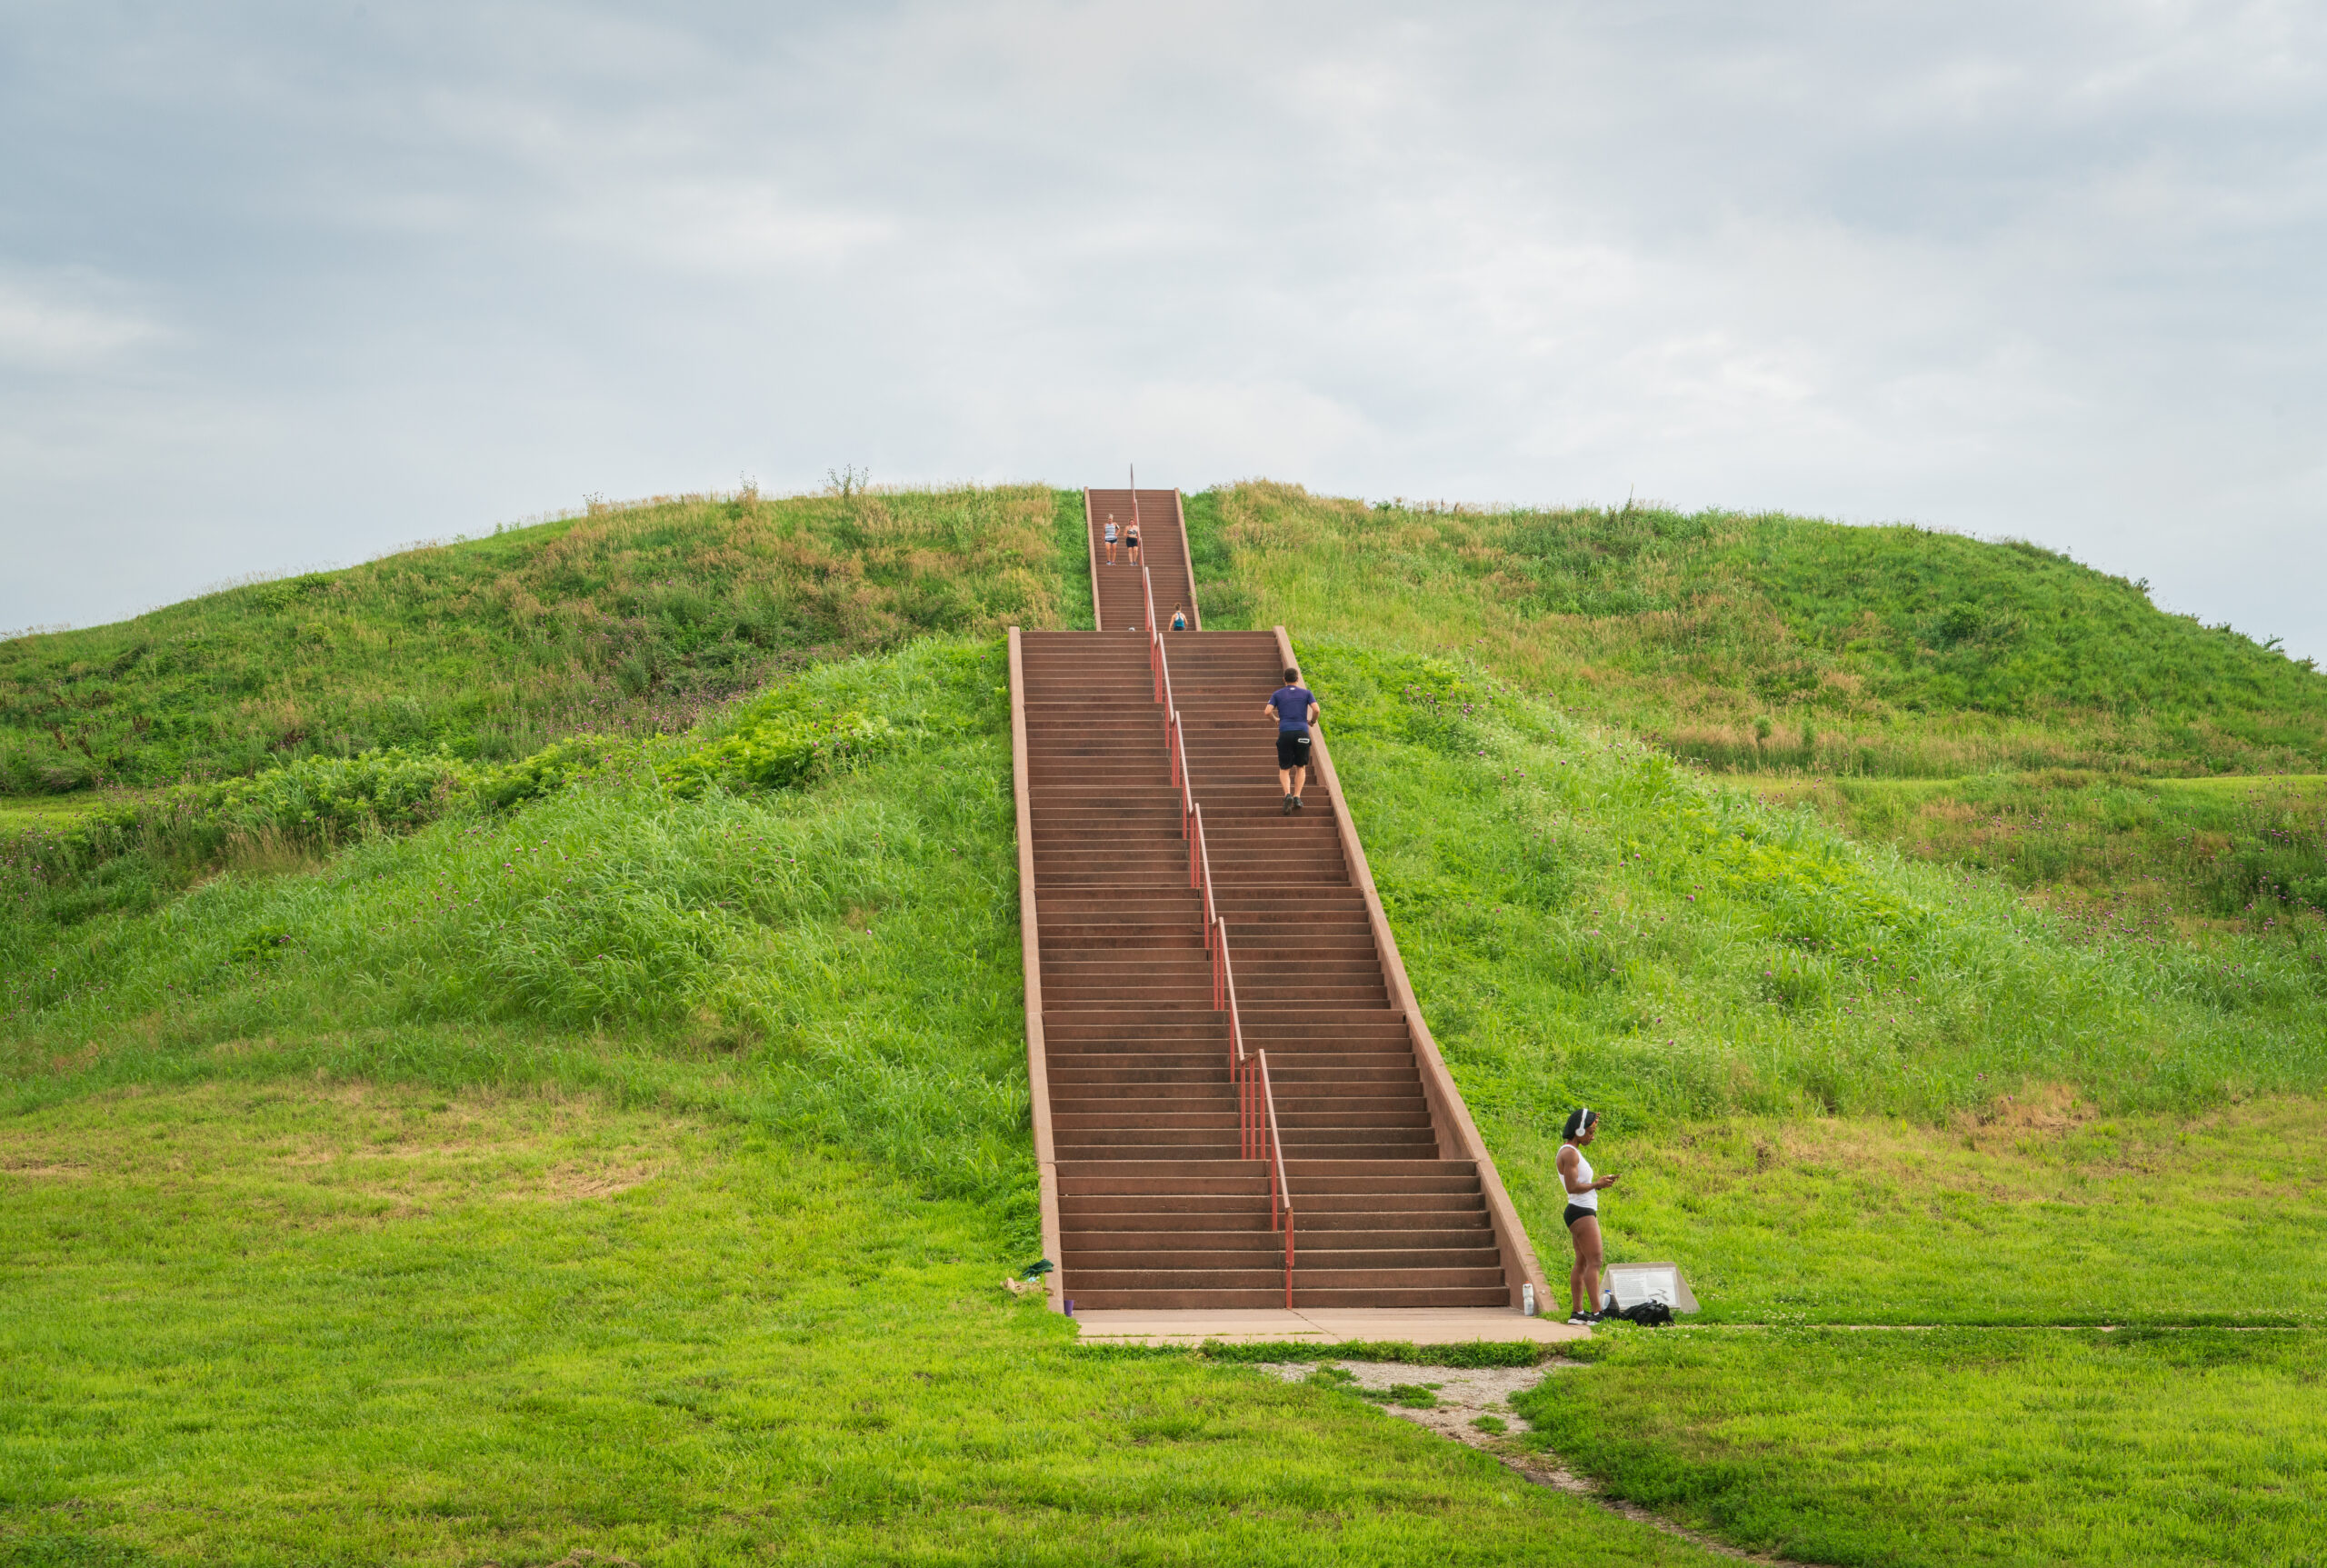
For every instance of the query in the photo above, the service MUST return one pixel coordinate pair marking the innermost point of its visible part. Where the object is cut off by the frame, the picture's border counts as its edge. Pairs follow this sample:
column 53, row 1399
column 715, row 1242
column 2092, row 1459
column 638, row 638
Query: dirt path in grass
column 1464, row 1396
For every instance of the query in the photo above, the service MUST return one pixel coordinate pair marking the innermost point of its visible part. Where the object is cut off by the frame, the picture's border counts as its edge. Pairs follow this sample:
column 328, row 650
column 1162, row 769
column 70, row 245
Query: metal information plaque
column 1634, row 1284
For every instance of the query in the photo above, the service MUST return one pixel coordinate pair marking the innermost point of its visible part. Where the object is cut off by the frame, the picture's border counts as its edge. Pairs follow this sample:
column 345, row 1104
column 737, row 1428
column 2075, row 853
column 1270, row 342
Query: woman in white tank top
column 1582, row 1214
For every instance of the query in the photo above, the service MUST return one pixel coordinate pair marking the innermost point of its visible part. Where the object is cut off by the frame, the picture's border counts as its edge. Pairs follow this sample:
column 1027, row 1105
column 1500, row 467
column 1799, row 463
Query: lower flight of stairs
column 1154, row 1206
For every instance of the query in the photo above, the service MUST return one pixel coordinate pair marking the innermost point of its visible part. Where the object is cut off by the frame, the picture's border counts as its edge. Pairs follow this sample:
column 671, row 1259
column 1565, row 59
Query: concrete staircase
column 1374, row 1187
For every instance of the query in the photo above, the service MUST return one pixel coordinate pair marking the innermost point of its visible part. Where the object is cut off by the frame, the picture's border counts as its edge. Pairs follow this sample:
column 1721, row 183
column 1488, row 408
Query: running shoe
column 1296, row 803
column 1580, row 1318
column 1287, row 809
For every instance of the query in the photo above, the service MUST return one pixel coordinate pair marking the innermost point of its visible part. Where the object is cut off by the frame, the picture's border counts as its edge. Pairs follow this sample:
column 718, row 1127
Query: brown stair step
column 1088, row 1117
column 1462, row 1265
column 1217, row 1109
column 1331, row 1210
column 1259, row 1276
column 1144, row 1146
column 1233, row 1300
column 1310, row 1067
column 1129, row 1059
column 1223, row 1226
column 1081, row 1068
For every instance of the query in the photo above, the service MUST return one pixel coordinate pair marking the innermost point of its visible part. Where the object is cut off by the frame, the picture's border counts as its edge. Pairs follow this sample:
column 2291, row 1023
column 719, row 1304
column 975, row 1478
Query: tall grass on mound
column 1587, row 921
column 130, row 852
column 1775, row 644
column 837, row 958
column 2140, row 855
column 628, row 620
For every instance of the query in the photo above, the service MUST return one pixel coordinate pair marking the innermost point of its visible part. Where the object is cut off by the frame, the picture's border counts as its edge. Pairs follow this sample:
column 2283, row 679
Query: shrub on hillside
column 36, row 769
column 780, row 753
column 547, row 771
column 319, row 801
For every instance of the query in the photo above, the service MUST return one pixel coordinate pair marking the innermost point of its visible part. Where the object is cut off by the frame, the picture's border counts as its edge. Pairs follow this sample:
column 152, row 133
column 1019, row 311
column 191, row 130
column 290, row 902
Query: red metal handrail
column 1281, row 1192
column 1240, row 1071
column 1200, row 871
column 1174, row 736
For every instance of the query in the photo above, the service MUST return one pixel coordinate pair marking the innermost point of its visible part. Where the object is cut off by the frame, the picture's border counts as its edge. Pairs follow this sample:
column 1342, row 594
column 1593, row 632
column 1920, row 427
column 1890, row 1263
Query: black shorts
column 1293, row 748
column 1578, row 1211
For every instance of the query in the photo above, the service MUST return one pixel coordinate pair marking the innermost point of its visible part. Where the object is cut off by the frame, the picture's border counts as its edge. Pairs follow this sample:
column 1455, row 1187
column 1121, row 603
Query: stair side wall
column 1098, row 616
column 1187, row 558
column 1030, row 944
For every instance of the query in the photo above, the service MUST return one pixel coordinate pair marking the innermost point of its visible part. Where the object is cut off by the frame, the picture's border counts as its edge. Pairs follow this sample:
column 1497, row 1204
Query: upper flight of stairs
column 1163, row 541
column 1151, row 1203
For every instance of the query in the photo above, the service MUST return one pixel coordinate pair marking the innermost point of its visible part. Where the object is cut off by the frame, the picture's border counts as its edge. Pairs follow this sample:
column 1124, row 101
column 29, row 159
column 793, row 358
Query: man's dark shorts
column 1293, row 748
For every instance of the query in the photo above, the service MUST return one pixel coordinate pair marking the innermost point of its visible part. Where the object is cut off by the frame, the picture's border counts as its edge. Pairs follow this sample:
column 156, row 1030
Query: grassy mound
column 1778, row 644
column 1845, row 1086
column 627, row 620
column 1584, row 918
column 840, row 959
column 2038, row 707
column 822, row 941
column 2237, row 853
column 507, row 1149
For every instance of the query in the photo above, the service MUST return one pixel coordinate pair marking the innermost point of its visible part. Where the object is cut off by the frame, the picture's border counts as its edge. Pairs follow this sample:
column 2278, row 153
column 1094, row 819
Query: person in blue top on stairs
column 1294, row 708
column 1180, row 618
column 1583, row 1212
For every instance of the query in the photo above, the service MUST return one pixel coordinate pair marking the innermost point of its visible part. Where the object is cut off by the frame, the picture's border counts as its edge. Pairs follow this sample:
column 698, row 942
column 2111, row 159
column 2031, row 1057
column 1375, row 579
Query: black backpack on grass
column 1647, row 1315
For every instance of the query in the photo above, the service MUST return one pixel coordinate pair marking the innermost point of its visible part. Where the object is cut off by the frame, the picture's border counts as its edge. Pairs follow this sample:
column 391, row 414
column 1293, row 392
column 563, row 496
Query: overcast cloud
column 284, row 285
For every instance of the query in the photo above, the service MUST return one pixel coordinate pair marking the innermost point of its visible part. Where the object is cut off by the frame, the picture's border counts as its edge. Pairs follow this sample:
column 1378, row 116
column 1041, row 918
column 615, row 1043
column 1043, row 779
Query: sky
column 287, row 285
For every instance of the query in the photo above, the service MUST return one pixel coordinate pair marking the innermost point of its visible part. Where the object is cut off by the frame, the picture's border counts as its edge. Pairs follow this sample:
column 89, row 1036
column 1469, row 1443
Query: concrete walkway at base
column 1321, row 1325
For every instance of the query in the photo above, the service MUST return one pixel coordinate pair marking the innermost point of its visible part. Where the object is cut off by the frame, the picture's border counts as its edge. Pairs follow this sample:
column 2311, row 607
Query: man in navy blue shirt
column 1294, row 709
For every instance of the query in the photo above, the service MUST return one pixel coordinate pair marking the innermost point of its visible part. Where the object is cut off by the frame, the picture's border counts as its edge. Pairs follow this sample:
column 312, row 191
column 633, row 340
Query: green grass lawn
column 1952, row 1446
column 301, row 1322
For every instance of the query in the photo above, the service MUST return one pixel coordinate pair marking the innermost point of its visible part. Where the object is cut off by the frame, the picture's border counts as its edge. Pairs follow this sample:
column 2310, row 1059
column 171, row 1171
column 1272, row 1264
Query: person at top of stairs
column 1131, row 541
column 1294, row 708
column 1110, row 538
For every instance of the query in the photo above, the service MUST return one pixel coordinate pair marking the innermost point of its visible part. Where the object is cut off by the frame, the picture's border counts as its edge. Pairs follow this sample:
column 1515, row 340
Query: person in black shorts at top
column 1294, row 708
column 1130, row 542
